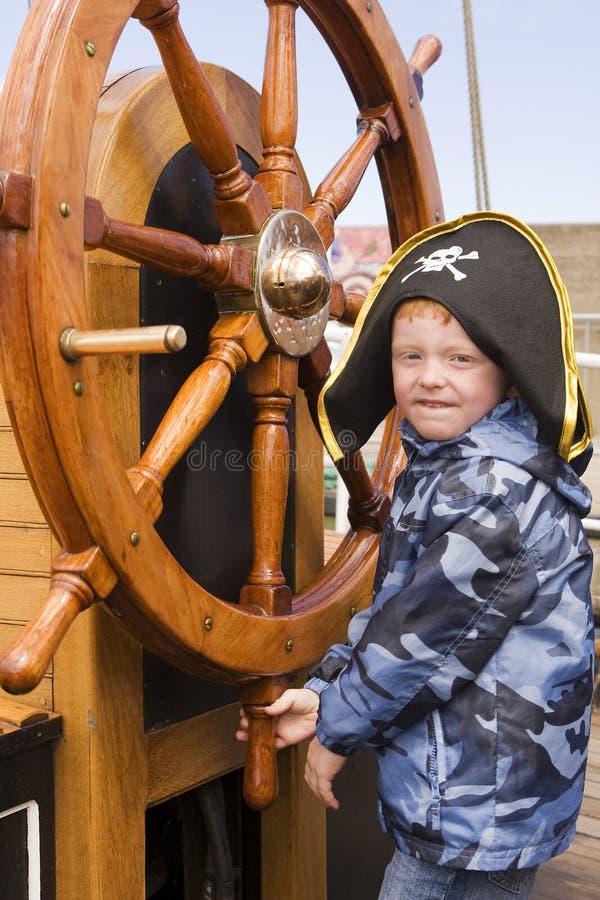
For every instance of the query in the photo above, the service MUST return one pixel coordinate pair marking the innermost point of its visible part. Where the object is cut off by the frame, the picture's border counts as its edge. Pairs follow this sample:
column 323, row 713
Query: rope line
column 479, row 161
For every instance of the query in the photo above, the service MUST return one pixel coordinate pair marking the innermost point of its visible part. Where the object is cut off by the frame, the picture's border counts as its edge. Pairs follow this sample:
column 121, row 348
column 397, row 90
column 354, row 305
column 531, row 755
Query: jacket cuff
column 316, row 684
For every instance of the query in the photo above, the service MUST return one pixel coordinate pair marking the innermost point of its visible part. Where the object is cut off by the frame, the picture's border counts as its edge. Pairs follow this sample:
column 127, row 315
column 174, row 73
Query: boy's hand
column 321, row 768
column 296, row 712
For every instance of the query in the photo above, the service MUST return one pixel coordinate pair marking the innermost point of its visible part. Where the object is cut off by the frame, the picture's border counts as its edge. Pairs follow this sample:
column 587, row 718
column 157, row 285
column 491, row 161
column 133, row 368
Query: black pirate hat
column 497, row 278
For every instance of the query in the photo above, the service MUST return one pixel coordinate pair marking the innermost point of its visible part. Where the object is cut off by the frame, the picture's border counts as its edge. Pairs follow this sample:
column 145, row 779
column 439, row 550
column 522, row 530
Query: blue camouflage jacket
column 470, row 675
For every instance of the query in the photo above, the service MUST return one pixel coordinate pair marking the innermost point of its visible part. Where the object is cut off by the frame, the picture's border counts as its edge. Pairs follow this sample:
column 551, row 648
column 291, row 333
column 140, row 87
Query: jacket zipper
column 437, row 768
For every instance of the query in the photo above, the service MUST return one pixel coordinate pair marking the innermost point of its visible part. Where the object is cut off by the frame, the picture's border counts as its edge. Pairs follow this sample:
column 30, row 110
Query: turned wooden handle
column 260, row 772
column 426, row 52
column 24, row 662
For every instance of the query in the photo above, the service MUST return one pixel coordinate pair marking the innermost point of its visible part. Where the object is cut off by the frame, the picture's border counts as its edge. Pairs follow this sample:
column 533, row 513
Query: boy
column 470, row 675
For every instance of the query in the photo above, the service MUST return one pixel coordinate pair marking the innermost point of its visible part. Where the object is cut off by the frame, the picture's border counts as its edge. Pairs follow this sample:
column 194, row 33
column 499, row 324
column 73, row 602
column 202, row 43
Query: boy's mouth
column 434, row 404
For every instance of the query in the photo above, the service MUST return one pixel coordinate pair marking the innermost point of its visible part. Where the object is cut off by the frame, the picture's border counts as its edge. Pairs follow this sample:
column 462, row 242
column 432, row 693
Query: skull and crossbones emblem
column 443, row 259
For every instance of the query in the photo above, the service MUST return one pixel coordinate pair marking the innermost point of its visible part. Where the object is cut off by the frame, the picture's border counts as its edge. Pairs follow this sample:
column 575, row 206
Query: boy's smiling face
column 443, row 383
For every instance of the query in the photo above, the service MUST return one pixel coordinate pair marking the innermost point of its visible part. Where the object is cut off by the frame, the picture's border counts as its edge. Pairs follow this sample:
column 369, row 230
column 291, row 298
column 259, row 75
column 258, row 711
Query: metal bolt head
column 78, row 388
column 65, row 209
column 208, row 623
column 134, row 538
column 411, row 101
column 90, row 48
column 289, row 646
column 353, row 611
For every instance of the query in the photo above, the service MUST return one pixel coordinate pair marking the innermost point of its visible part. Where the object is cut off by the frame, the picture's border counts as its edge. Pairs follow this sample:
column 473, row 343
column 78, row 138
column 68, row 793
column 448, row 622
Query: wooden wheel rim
column 68, row 449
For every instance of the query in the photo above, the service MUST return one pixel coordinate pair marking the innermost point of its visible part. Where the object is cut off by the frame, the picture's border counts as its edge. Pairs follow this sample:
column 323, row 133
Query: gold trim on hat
column 575, row 404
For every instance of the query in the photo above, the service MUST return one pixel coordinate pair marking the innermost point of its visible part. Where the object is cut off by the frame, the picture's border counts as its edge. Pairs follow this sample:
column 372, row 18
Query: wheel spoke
column 241, row 205
column 273, row 384
column 376, row 127
column 216, row 267
column 278, row 173
column 344, row 306
column 234, row 341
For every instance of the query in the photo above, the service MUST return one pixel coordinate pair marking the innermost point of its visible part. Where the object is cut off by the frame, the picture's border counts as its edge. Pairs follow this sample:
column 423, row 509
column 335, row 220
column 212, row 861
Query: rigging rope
column 479, row 162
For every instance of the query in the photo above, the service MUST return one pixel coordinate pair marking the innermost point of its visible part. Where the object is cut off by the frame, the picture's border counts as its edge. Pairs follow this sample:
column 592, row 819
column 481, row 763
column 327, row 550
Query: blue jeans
column 407, row 878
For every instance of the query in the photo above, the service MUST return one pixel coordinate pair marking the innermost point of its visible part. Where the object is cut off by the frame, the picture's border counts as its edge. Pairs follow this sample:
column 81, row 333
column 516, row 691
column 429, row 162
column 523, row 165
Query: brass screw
column 208, row 623
column 65, row 209
column 90, row 48
column 352, row 611
column 134, row 538
column 411, row 101
column 78, row 388
column 289, row 646
column 437, row 215
column 369, row 7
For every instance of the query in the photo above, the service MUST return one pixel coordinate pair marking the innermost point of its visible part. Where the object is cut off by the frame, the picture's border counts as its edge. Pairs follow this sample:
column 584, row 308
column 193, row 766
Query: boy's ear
column 511, row 392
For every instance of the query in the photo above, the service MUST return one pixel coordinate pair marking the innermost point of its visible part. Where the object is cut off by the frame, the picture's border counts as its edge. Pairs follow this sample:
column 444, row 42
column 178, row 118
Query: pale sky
column 539, row 81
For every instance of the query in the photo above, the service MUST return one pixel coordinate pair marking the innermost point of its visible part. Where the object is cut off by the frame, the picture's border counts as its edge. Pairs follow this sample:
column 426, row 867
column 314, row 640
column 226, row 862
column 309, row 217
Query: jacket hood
column 510, row 433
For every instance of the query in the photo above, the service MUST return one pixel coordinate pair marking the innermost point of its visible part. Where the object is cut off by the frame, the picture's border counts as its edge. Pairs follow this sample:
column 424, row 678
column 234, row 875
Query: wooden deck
column 575, row 875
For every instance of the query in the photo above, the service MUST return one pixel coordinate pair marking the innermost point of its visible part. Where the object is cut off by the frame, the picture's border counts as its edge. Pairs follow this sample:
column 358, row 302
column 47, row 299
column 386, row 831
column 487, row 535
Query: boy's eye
column 461, row 358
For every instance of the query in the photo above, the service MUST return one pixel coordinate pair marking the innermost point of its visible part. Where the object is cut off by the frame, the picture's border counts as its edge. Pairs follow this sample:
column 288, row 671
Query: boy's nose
column 432, row 374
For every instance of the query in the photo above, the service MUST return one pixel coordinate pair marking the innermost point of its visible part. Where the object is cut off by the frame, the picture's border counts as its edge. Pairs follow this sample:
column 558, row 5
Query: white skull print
column 443, row 259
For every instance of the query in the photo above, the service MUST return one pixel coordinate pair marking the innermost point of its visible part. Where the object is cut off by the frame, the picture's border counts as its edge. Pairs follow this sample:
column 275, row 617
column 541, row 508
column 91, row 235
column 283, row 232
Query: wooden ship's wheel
column 274, row 294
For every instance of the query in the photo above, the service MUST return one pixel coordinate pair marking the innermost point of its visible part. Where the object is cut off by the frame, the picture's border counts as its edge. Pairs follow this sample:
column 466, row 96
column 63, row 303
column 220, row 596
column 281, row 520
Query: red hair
column 419, row 307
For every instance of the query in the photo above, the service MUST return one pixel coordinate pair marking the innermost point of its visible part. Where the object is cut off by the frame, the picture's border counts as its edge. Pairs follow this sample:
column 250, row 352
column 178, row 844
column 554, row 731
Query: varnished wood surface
column 368, row 52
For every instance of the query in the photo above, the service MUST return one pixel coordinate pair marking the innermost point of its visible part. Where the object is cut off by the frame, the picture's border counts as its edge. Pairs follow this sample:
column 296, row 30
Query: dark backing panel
column 354, row 833
column 26, row 762
column 206, row 521
column 13, row 854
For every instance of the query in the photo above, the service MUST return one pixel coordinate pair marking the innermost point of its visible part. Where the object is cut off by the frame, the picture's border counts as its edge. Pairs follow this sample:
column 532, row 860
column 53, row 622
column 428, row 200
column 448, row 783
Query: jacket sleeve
column 472, row 579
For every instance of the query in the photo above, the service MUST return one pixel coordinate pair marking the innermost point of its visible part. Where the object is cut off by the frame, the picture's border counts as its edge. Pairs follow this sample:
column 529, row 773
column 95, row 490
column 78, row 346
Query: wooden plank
column 552, row 884
column 15, row 712
column 4, row 417
column 41, row 696
column 592, row 773
column 10, row 458
column 26, row 549
column 585, row 846
column 21, row 596
column 588, row 825
column 592, row 789
column 100, row 762
column 174, row 761
column 576, row 870
column 590, row 807
column 295, row 820
column 18, row 502
column 332, row 539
